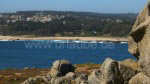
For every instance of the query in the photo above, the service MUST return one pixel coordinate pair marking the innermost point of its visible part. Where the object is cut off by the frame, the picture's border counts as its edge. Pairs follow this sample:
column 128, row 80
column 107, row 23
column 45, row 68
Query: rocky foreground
column 17, row 76
column 110, row 72
column 66, row 73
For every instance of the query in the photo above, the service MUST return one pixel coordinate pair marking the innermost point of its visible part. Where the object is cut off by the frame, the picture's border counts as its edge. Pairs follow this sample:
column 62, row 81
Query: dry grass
column 87, row 68
column 12, row 76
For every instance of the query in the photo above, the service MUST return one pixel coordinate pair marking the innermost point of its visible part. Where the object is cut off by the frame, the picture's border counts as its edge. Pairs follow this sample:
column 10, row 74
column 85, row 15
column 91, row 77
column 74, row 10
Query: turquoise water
column 41, row 54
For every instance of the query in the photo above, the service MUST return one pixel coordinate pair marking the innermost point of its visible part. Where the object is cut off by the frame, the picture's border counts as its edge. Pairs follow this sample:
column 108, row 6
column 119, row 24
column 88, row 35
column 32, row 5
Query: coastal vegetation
column 58, row 23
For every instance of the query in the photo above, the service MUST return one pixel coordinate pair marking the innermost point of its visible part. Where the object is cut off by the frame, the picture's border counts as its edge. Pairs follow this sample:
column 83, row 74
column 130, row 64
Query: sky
column 99, row 6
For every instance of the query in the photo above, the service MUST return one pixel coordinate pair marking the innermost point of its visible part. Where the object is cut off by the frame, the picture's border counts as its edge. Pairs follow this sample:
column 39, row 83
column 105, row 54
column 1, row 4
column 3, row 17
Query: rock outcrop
column 111, row 73
column 139, row 45
column 61, row 68
column 116, row 72
column 63, row 72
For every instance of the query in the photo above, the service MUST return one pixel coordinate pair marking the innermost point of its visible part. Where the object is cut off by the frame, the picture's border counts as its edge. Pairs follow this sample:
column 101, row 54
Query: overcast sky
column 100, row 6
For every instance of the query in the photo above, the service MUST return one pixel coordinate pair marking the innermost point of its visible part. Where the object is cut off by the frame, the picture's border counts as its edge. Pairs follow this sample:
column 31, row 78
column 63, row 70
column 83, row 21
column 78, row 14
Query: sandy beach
column 63, row 38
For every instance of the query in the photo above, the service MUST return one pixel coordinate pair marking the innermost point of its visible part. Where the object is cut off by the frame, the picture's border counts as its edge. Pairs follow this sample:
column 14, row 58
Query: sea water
column 42, row 53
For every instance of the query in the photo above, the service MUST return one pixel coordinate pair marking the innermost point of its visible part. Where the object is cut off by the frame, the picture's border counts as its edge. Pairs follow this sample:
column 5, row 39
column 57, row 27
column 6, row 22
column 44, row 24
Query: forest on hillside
column 58, row 23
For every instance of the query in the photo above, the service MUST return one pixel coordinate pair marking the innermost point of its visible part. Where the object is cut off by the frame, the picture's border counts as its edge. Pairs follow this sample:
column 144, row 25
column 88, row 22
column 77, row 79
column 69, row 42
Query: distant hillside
column 66, row 23
column 83, row 14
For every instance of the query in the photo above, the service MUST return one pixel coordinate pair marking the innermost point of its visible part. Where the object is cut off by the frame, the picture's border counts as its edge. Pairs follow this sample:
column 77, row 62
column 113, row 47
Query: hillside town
column 41, row 17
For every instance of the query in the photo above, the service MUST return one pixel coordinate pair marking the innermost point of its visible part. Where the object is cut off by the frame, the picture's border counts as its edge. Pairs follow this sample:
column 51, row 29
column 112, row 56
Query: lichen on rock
column 139, row 45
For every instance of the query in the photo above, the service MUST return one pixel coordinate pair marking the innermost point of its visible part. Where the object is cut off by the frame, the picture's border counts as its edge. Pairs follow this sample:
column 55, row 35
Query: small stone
column 26, row 68
column 95, row 77
column 70, row 75
column 33, row 68
column 81, row 78
column 18, row 74
column 30, row 79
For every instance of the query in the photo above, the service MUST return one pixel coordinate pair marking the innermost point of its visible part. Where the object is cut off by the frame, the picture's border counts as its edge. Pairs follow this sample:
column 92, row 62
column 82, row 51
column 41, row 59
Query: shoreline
column 111, row 39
